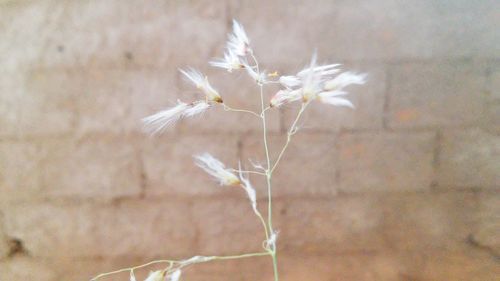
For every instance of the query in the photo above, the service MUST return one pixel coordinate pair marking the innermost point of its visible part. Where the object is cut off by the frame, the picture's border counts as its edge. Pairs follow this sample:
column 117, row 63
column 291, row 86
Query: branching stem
column 289, row 135
column 227, row 108
column 173, row 262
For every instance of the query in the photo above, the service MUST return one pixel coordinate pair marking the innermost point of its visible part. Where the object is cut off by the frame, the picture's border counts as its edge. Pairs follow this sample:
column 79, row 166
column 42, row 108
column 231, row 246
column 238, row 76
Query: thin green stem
column 172, row 262
column 259, row 215
column 290, row 133
column 268, row 180
column 250, row 255
column 132, row 268
column 248, row 172
column 227, row 108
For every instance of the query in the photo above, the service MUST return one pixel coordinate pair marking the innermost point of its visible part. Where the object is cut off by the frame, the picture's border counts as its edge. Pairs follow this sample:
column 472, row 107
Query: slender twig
column 290, row 133
column 227, row 108
column 131, row 268
column 172, row 262
column 248, row 172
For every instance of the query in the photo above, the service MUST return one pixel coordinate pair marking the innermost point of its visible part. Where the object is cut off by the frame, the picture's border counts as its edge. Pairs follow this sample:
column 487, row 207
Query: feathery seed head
column 285, row 96
column 343, row 80
column 216, row 169
column 159, row 121
column 260, row 78
column 238, row 41
column 176, row 275
column 158, row 275
column 247, row 186
column 230, row 62
column 317, row 82
column 201, row 82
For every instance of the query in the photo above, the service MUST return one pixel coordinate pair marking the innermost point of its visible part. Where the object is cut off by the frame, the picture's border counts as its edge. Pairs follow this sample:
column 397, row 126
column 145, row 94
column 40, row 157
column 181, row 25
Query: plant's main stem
column 269, row 186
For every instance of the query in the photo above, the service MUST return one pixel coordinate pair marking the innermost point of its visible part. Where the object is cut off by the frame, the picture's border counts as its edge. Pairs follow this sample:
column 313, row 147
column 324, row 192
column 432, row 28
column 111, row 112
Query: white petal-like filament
column 345, row 79
column 176, row 276
column 238, row 42
column 156, row 276
column 247, row 186
column 159, row 121
column 216, row 169
column 201, row 82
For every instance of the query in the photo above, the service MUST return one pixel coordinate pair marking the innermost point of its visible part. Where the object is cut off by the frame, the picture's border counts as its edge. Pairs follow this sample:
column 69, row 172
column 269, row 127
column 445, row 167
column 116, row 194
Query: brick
column 257, row 268
column 24, row 268
column 227, row 227
column 115, row 34
column 436, row 94
column 373, row 162
column 464, row 265
column 368, row 100
column 239, row 92
column 369, row 31
column 308, row 166
column 486, row 235
column 38, row 102
column 103, row 168
column 364, row 267
column 85, row 269
column 492, row 110
column 4, row 243
column 116, row 100
column 494, row 82
column 25, row 27
column 469, row 158
column 334, row 226
column 426, row 222
column 170, row 169
column 132, row 229
column 20, row 169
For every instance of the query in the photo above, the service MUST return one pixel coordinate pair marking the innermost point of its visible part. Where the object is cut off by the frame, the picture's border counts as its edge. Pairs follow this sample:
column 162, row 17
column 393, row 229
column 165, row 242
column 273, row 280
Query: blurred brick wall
column 406, row 187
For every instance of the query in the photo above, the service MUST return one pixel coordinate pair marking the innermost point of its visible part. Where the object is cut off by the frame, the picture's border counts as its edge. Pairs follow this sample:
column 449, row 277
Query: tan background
column 403, row 188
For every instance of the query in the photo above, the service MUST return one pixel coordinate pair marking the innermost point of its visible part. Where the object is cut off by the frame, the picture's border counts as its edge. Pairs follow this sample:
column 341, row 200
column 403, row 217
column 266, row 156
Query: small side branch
column 182, row 263
column 227, row 108
column 291, row 132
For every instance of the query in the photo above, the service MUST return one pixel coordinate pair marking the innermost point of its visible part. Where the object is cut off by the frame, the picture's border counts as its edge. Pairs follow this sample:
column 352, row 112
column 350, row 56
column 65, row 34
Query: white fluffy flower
column 343, row 80
column 260, row 78
column 247, row 186
column 163, row 119
column 290, row 81
column 176, row 275
column 201, row 82
column 285, row 96
column 230, row 62
column 196, row 108
column 238, row 42
column 156, row 276
column 317, row 82
column 334, row 98
column 216, row 169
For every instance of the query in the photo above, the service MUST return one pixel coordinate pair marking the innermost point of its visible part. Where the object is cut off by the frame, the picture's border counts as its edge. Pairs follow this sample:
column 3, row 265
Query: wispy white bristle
column 247, row 186
column 216, row 169
column 201, row 82
column 158, row 275
column 176, row 276
column 159, row 121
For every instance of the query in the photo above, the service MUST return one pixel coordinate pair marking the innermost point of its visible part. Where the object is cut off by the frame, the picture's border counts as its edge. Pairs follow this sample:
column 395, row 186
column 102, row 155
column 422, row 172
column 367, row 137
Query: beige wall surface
column 405, row 187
